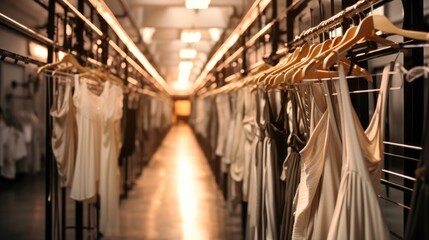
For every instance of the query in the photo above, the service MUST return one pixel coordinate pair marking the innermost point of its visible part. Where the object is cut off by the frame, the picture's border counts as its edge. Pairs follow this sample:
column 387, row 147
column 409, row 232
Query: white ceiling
column 169, row 18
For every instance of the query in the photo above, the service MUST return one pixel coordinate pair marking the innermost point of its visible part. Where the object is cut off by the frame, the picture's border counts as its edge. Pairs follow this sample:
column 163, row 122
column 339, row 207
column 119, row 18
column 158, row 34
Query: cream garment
column 224, row 116
column 89, row 119
column 320, row 175
column 64, row 133
column 227, row 158
column 109, row 169
column 249, row 133
column 237, row 160
column 357, row 213
column 255, row 188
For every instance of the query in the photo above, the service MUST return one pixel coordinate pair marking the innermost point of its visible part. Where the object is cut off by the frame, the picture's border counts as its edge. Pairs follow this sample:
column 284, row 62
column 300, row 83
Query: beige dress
column 64, row 134
column 89, row 118
column 109, row 169
column 320, row 176
column 357, row 213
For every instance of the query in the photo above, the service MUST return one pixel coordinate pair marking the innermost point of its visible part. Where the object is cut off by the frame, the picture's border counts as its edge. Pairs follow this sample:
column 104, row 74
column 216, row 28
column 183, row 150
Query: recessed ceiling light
column 188, row 53
column 197, row 4
column 190, row 36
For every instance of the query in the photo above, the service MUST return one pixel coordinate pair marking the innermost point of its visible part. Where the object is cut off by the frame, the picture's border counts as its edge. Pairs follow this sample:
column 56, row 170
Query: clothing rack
column 55, row 198
column 223, row 69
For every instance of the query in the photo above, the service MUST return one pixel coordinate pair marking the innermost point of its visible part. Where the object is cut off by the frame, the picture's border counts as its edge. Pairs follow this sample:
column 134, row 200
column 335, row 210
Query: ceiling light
column 190, row 36
column 185, row 65
column 197, row 4
column 188, row 53
column 147, row 34
column 215, row 33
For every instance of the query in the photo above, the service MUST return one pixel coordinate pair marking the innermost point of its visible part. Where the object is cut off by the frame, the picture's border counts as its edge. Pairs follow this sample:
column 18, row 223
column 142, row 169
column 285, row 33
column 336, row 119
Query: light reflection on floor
column 177, row 197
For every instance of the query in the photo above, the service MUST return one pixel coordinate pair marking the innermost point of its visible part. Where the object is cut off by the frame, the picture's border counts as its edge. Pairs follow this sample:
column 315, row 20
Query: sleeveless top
column 249, row 134
column 237, row 159
column 89, row 118
column 357, row 213
column 274, row 150
column 64, row 134
column 291, row 169
column 255, row 206
column 320, row 175
column 109, row 169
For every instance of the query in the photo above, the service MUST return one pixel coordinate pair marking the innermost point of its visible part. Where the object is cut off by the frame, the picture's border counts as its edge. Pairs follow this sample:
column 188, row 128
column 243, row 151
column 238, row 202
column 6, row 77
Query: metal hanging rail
column 248, row 19
column 150, row 75
column 9, row 22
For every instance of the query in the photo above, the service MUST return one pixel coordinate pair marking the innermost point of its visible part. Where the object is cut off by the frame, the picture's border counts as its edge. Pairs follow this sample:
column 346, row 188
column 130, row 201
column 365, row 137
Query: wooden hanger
column 367, row 29
column 284, row 77
column 67, row 59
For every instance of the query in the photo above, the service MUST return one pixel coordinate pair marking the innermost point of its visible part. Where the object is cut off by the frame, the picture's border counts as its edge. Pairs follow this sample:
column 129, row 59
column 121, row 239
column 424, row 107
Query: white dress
column 64, row 136
column 89, row 119
column 357, row 213
column 109, row 169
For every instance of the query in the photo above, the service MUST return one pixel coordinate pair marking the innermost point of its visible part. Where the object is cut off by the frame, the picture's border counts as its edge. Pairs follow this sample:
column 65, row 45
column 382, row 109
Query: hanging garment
column 255, row 228
column 357, row 213
column 64, row 134
column 274, row 150
column 89, row 119
column 418, row 218
column 227, row 159
column 130, row 125
column 224, row 117
column 237, row 159
column 249, row 129
column 13, row 149
column 291, row 169
column 320, row 175
column 109, row 169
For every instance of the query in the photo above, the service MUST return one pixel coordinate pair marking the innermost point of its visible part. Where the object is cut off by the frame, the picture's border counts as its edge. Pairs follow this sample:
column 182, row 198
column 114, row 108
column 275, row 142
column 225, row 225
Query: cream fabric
column 357, row 213
column 237, row 159
column 89, row 118
column 249, row 133
column 64, row 133
column 320, row 177
column 109, row 170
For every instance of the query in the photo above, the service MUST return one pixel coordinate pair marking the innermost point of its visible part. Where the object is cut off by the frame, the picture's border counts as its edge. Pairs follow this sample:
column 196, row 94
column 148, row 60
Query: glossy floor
column 176, row 197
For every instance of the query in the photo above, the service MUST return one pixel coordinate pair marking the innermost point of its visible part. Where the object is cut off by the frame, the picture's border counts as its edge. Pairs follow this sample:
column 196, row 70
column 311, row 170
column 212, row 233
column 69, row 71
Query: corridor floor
column 177, row 197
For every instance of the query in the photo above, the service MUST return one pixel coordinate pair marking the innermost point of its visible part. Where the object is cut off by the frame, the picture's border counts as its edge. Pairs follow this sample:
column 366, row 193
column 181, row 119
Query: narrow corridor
column 177, row 197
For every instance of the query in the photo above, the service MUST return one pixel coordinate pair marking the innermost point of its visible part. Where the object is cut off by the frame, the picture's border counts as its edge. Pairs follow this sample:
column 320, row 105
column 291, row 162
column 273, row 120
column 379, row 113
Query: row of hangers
column 316, row 61
column 96, row 77
column 69, row 63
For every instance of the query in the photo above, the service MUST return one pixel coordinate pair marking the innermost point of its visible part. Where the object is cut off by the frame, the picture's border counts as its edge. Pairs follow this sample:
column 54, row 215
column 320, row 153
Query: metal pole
column 48, row 150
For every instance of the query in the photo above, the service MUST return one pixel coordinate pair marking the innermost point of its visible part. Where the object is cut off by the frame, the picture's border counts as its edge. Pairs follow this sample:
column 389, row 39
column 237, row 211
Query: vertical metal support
column 275, row 36
column 79, row 48
column 79, row 29
column 125, row 164
column 289, row 23
column 63, row 213
column 244, row 67
column 413, row 92
column 48, row 124
column 104, row 44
